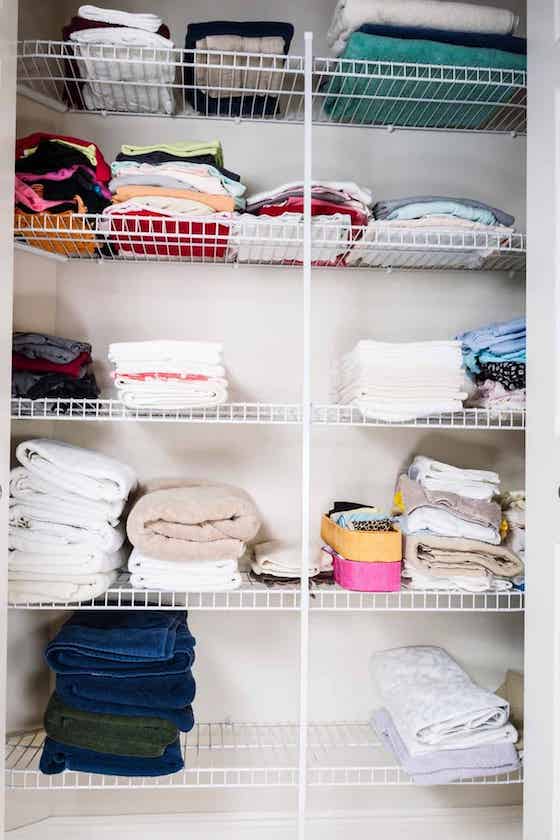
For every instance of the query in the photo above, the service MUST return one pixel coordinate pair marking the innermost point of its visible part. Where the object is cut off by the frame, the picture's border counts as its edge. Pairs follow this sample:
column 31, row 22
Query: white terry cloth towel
column 434, row 703
column 279, row 239
column 33, row 535
column 165, row 350
column 484, row 583
column 349, row 15
column 79, row 563
column 126, row 70
column 24, row 587
column 141, row 20
column 80, row 471
column 275, row 558
column 444, row 523
column 392, row 412
column 30, row 489
column 188, row 395
column 188, row 576
column 436, row 475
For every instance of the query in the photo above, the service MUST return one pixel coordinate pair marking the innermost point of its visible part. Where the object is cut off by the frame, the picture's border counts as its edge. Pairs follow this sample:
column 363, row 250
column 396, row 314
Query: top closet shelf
column 146, row 81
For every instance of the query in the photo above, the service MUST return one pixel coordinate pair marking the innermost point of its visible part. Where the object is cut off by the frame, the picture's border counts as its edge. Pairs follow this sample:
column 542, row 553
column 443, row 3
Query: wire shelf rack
column 250, row 86
column 252, row 240
column 254, row 595
column 239, row 755
column 469, row 418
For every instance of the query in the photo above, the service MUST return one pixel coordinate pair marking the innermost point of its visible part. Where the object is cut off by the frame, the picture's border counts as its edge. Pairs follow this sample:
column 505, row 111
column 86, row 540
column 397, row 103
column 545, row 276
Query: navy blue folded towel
column 57, row 757
column 507, row 43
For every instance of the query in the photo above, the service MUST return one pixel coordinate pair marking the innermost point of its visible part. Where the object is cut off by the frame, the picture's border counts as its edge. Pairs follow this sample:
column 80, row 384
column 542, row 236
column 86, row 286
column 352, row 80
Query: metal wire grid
column 214, row 84
column 253, row 595
column 469, row 418
column 260, row 241
column 239, row 755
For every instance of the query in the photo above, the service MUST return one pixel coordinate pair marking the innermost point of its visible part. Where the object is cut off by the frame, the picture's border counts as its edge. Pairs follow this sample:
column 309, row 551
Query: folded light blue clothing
column 444, row 766
column 57, row 757
column 485, row 337
column 500, row 342
column 235, row 188
column 420, row 210
column 123, row 644
column 513, row 356
column 382, row 209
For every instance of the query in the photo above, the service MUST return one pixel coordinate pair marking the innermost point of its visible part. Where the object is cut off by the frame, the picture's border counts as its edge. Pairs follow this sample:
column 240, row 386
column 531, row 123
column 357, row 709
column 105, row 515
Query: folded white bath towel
column 187, row 576
column 434, row 703
column 484, row 583
column 445, row 523
column 65, row 565
column 406, row 411
column 80, row 471
column 38, row 537
column 349, row 15
column 140, row 20
column 40, row 519
column 197, row 395
column 436, row 475
column 280, row 560
column 207, row 352
column 25, row 588
column 32, row 489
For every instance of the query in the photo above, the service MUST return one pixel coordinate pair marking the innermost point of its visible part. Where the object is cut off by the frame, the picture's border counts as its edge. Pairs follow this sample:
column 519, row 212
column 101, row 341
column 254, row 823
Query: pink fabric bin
column 367, row 577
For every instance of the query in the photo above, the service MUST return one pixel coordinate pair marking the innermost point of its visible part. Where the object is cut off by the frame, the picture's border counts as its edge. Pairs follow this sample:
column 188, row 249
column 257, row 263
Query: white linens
column 79, row 563
column 165, row 350
column 141, row 20
column 190, row 395
column 187, row 576
column 483, row 583
column 31, row 489
column 125, row 70
column 31, row 517
column 445, row 523
column 80, row 471
column 28, row 588
column 349, row 15
column 150, row 368
column 275, row 558
column 436, row 475
column 278, row 239
column 434, row 703
column 33, row 534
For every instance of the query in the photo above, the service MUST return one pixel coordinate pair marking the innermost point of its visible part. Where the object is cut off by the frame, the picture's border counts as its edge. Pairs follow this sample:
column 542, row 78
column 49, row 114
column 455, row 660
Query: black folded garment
column 39, row 386
column 50, row 157
column 253, row 105
column 82, row 183
column 163, row 157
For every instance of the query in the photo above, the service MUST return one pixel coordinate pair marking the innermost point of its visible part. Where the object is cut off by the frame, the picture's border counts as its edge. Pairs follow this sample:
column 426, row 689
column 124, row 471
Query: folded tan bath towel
column 447, row 556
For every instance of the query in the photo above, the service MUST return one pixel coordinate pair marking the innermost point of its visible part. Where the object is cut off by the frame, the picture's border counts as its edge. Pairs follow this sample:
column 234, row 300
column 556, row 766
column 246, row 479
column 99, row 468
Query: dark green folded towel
column 145, row 737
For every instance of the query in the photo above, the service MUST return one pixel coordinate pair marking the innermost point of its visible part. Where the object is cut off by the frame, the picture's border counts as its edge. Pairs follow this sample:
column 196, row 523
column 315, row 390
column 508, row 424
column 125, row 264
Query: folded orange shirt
column 219, row 203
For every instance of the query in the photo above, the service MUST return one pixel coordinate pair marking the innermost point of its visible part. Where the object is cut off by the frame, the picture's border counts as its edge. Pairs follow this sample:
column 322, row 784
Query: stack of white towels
column 402, row 381
column 65, row 537
column 170, row 375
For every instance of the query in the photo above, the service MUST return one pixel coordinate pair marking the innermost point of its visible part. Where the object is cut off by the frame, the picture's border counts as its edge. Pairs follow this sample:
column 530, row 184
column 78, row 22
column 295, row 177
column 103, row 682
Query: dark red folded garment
column 294, row 204
column 153, row 234
column 74, row 369
column 102, row 170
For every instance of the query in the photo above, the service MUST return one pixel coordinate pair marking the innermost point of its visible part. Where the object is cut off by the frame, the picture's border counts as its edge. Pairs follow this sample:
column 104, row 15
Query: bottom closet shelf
column 240, row 755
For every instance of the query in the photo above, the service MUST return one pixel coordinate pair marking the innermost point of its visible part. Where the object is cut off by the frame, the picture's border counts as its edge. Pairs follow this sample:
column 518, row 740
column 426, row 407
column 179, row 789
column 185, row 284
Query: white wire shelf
column 254, row 595
column 239, row 755
column 252, row 240
column 249, row 86
column 468, row 418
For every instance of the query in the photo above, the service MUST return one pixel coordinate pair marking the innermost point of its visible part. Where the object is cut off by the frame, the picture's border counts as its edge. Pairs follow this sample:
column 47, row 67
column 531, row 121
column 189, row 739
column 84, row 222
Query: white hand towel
column 32, row 489
column 50, row 538
column 208, row 352
column 200, row 396
column 141, row 20
column 187, row 576
column 77, row 470
column 444, row 523
column 64, row 565
column 29, row 589
column 436, row 475
column 275, row 558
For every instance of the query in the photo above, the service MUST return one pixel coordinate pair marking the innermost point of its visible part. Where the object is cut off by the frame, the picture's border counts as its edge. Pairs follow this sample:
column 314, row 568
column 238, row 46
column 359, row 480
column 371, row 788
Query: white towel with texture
column 349, row 15
column 165, row 350
column 484, row 583
column 190, row 395
column 436, row 475
column 434, row 703
column 141, row 20
column 80, row 471
column 80, row 563
column 38, row 518
column 31, row 534
column 188, row 576
column 275, row 558
column 25, row 588
column 444, row 523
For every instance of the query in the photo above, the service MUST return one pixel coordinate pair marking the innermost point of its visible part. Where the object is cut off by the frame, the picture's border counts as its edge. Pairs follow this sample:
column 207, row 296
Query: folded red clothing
column 153, row 234
column 73, row 369
column 294, row 204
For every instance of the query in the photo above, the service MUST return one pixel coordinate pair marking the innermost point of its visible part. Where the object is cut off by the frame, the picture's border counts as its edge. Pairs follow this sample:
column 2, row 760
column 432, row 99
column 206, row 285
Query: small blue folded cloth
column 123, row 644
column 57, row 757
column 501, row 342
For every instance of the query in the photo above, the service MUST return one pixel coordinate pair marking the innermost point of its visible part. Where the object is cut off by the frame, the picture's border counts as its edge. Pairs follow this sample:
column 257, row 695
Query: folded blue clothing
column 486, row 336
column 421, row 210
column 506, row 43
column 57, row 757
column 123, row 644
column 183, row 718
column 383, row 209
column 513, row 356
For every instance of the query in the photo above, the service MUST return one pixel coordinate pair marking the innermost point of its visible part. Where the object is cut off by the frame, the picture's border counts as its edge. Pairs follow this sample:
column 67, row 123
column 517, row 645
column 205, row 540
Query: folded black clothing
column 505, row 43
column 156, row 158
column 81, row 183
column 512, row 375
column 50, row 157
column 39, row 386
column 341, row 507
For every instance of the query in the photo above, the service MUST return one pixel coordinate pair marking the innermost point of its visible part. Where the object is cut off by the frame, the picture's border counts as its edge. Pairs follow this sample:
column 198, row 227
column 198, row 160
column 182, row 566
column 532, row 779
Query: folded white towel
column 130, row 368
column 484, row 583
column 26, row 588
column 141, row 20
column 186, row 576
column 201, row 395
column 65, row 565
column 407, row 410
column 434, row 703
column 206, row 352
column 32, row 489
column 80, row 471
column 40, row 519
column 349, row 15
column 51, row 538
column 275, row 558
column 444, row 523
column 436, row 475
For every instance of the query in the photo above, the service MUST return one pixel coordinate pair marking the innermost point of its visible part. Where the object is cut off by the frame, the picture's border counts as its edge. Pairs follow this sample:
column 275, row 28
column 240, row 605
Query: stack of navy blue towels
column 124, row 689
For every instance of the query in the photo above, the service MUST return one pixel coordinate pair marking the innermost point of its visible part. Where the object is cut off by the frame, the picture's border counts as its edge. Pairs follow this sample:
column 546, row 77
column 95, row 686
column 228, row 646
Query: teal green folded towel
column 382, row 99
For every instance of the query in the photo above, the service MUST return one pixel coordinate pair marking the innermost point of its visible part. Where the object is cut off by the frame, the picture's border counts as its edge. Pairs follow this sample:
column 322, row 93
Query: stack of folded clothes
column 48, row 366
column 166, row 374
column 513, row 504
column 453, row 529
column 65, row 539
column 172, row 200
column 432, row 32
column 124, row 688
column 120, row 62
column 496, row 356
column 399, row 382
column 57, row 179
column 468, row 230
column 277, row 563
column 189, row 535
column 338, row 209
column 439, row 725
column 230, row 84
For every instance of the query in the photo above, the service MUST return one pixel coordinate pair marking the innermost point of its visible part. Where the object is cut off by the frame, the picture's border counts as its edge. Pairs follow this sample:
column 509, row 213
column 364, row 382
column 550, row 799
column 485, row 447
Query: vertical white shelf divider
column 306, row 438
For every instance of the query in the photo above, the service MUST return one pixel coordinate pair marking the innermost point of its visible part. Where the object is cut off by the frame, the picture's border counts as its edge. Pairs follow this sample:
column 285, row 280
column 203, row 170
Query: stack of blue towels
column 112, row 667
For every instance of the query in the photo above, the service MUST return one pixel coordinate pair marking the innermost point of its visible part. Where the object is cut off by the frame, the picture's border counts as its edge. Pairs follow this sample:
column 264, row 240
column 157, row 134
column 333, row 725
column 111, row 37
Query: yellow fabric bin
column 362, row 546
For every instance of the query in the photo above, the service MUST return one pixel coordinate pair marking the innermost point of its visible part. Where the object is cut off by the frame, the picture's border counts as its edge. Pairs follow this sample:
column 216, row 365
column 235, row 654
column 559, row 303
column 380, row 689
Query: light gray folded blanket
column 479, row 511
column 53, row 348
column 179, row 519
column 448, row 556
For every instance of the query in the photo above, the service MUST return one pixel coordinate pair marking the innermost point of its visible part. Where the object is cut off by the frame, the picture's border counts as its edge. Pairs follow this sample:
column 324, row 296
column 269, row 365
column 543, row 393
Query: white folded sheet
column 50, row 537
column 349, row 15
column 436, row 475
column 187, row 576
column 25, row 588
column 434, row 703
column 28, row 488
column 65, row 565
column 141, row 20
column 77, row 470
column 165, row 350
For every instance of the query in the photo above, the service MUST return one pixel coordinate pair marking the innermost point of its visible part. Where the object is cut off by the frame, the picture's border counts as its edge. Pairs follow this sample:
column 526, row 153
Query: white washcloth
column 349, row 15
column 141, row 20
column 68, row 566
column 30, row 534
column 33, row 490
column 434, row 703
column 207, row 352
column 435, row 475
column 275, row 558
column 81, row 471
column 26, row 588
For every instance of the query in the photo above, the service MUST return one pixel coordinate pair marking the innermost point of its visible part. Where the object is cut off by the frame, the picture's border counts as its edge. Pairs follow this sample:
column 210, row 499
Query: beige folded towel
column 448, row 556
column 231, row 74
